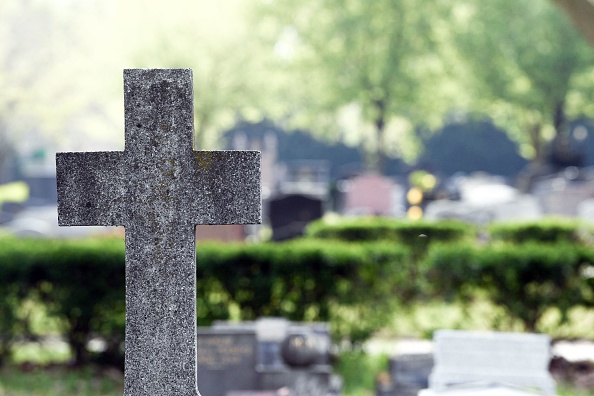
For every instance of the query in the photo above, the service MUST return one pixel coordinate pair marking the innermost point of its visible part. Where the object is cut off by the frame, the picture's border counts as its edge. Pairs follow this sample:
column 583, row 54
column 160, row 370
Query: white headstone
column 466, row 360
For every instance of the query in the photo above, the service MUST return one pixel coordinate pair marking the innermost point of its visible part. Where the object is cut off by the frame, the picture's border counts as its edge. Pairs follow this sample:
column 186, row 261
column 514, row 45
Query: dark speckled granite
column 158, row 188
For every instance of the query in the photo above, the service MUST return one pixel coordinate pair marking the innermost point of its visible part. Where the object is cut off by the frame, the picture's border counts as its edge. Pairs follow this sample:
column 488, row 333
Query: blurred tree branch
column 581, row 13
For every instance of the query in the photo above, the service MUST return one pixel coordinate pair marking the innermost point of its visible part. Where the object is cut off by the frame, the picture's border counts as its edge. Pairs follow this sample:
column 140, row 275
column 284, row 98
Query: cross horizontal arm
column 90, row 188
column 225, row 187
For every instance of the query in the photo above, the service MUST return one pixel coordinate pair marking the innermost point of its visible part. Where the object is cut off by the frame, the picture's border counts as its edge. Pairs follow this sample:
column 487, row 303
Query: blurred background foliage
column 382, row 75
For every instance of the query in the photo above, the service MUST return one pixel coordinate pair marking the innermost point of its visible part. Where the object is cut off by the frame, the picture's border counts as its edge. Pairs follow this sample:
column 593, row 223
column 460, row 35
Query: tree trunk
column 559, row 120
column 380, row 127
column 77, row 339
column 581, row 13
column 536, row 142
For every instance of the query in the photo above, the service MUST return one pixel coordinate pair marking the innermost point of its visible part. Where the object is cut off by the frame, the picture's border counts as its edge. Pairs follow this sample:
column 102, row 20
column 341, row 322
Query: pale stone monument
column 159, row 189
column 490, row 363
column 371, row 194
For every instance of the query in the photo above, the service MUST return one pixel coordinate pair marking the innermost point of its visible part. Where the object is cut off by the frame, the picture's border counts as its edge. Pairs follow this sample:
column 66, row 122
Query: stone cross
column 159, row 189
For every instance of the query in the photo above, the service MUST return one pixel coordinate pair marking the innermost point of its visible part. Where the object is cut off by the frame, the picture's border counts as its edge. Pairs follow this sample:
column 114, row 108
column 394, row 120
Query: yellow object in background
column 415, row 212
column 414, row 196
column 14, row 192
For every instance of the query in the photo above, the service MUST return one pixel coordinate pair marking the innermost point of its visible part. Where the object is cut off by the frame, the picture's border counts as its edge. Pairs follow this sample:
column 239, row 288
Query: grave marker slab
column 226, row 360
column 370, row 194
column 469, row 361
column 260, row 356
column 159, row 189
column 410, row 373
column 290, row 214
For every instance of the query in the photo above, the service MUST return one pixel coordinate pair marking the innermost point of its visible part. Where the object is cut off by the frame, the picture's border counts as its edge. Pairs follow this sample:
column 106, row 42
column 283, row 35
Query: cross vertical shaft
column 160, row 294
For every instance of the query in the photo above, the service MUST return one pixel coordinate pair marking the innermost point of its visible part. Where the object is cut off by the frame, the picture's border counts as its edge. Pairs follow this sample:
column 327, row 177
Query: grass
column 421, row 320
column 565, row 390
column 59, row 381
column 358, row 370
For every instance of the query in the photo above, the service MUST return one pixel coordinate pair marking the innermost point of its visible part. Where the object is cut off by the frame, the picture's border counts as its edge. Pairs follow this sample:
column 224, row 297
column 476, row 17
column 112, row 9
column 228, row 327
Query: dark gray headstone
column 289, row 215
column 226, row 360
column 410, row 373
column 225, row 366
column 159, row 189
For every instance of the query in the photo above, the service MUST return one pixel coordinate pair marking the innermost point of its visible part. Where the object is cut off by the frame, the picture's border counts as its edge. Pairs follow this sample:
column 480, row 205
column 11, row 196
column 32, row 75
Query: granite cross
column 159, row 189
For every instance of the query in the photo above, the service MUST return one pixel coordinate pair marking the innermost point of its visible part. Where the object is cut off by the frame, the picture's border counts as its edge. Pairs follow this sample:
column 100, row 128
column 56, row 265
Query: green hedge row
column 525, row 280
column 79, row 282
column 399, row 231
column 82, row 284
column 524, row 267
column 306, row 280
column 549, row 230
column 353, row 283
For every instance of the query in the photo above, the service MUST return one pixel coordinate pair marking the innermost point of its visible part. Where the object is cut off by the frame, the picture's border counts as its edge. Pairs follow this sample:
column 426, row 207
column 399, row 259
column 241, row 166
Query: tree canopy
column 581, row 13
column 379, row 74
column 375, row 74
column 61, row 65
column 367, row 72
column 529, row 68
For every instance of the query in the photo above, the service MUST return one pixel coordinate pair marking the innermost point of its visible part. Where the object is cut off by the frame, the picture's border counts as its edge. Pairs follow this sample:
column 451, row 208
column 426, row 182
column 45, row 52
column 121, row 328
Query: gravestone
column 490, row 362
column 221, row 233
column 561, row 196
column 409, row 373
column 308, row 177
column 370, row 194
column 226, row 360
column 523, row 207
column 159, row 189
column 289, row 215
column 268, row 355
column 585, row 210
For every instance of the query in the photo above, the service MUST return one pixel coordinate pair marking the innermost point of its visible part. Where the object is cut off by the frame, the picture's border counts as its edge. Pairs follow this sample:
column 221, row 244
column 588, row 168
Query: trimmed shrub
column 551, row 230
column 405, row 232
column 308, row 280
column 453, row 270
column 82, row 283
column 526, row 280
column 587, row 275
column 354, row 286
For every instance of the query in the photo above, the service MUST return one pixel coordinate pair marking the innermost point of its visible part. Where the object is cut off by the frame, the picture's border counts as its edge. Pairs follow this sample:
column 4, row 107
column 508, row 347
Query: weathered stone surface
column 159, row 189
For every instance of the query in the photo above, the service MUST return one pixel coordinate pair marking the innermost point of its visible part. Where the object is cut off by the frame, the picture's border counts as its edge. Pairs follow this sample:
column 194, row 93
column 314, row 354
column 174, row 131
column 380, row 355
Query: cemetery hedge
column 81, row 283
column 410, row 233
column 306, row 280
column 525, row 280
column 549, row 230
column 321, row 277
